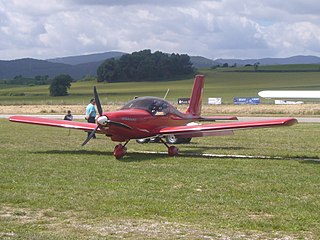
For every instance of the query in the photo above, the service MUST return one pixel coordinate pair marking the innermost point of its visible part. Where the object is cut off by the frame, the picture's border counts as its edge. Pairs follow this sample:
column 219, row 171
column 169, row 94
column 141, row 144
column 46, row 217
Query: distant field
column 218, row 84
column 280, row 68
column 312, row 110
column 51, row 188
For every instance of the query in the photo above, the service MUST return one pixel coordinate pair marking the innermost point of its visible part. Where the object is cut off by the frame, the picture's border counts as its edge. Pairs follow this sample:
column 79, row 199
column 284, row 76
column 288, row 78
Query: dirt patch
column 67, row 224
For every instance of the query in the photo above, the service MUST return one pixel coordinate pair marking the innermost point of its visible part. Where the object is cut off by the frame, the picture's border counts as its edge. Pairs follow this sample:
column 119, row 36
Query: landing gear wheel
column 119, row 151
column 143, row 140
column 173, row 151
column 172, row 139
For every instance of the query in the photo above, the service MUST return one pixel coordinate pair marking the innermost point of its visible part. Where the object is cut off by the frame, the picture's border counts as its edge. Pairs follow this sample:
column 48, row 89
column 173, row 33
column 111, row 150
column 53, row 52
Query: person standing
column 91, row 113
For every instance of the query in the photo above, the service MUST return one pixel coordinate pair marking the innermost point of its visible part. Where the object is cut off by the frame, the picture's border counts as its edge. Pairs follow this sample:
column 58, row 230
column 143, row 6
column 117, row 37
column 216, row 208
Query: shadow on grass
column 311, row 161
column 153, row 156
column 76, row 152
column 129, row 157
column 141, row 157
column 203, row 148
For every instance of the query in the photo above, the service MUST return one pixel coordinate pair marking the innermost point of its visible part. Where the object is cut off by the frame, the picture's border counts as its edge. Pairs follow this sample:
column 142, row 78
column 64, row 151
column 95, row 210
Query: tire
column 154, row 140
column 142, row 140
column 172, row 139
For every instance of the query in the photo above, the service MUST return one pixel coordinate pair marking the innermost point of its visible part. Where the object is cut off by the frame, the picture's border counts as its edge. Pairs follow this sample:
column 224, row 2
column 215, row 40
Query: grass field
column 218, row 84
column 51, row 188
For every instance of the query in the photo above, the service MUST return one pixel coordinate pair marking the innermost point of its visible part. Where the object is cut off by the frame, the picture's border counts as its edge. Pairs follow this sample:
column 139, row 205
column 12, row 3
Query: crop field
column 218, row 84
column 51, row 188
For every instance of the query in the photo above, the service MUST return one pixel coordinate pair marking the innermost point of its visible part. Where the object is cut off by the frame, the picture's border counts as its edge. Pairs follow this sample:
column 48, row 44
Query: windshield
column 156, row 106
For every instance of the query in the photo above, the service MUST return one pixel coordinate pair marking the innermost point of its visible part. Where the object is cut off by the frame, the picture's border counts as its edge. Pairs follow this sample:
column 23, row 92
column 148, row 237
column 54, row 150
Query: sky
column 212, row 29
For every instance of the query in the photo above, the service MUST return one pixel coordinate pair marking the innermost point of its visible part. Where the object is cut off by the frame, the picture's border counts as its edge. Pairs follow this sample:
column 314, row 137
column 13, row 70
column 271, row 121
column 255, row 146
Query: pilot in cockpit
column 159, row 108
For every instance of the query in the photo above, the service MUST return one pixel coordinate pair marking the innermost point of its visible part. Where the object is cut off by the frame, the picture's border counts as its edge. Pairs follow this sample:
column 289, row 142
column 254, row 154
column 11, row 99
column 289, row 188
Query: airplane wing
column 223, row 128
column 54, row 123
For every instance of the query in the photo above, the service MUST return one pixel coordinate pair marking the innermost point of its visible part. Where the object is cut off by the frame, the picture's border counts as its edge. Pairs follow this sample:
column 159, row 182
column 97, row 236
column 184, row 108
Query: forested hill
column 145, row 66
column 86, row 65
column 28, row 67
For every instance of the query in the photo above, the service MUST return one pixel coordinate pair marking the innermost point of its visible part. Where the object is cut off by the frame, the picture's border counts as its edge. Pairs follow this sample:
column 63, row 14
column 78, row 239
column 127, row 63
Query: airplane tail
column 195, row 103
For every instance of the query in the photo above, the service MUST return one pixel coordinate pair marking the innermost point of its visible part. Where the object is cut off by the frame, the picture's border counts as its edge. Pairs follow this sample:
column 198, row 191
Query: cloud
column 136, row 2
column 214, row 29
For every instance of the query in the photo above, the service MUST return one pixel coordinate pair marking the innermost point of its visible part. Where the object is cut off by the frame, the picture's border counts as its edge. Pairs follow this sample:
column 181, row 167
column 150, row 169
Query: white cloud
column 214, row 29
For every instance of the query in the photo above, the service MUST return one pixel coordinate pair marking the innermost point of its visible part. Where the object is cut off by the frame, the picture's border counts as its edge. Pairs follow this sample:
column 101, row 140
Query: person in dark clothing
column 69, row 116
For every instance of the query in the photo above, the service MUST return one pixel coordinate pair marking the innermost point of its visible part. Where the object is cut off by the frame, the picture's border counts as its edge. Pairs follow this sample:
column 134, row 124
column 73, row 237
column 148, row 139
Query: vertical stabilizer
column 195, row 104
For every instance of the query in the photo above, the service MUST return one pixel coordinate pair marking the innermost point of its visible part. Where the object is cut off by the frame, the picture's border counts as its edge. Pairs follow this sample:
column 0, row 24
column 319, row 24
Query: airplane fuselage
column 143, row 124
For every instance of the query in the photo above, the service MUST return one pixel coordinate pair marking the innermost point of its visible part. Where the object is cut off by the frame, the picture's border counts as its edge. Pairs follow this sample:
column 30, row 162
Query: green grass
column 218, row 84
column 51, row 188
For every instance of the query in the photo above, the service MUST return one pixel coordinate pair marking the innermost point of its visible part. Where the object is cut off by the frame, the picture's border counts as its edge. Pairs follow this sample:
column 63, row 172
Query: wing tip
column 290, row 122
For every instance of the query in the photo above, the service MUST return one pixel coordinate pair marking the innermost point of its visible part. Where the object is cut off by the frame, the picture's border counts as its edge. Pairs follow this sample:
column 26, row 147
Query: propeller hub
column 103, row 120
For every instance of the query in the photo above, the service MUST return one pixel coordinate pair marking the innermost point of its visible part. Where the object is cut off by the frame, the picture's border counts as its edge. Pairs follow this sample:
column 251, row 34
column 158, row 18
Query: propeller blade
column 90, row 136
column 119, row 124
column 96, row 97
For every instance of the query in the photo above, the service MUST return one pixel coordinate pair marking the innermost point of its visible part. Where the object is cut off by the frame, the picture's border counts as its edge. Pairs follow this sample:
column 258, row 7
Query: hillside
column 90, row 58
column 222, row 84
column 84, row 65
column 272, row 61
column 32, row 67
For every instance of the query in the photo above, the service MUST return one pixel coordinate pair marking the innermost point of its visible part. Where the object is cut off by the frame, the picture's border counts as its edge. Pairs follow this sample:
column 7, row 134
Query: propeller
column 90, row 136
column 96, row 98
column 102, row 120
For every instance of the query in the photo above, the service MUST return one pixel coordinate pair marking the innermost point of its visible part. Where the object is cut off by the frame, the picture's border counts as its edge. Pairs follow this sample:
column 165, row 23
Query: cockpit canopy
column 154, row 105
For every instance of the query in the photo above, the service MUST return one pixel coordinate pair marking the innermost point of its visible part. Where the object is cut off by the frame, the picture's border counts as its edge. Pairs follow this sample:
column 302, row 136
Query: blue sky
column 213, row 29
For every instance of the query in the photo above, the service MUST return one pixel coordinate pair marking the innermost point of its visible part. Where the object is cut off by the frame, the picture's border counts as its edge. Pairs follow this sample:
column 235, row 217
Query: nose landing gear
column 120, row 150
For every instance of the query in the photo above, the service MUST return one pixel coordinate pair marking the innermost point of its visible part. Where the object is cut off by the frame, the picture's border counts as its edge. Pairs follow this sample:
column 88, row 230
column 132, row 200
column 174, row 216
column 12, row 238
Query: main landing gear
column 172, row 150
column 121, row 150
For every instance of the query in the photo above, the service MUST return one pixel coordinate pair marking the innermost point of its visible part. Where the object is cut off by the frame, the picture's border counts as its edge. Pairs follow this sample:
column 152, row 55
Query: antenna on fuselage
column 165, row 96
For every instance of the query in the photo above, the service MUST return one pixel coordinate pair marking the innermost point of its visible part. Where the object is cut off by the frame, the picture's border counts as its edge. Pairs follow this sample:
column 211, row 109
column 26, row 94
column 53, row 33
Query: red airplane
column 147, row 117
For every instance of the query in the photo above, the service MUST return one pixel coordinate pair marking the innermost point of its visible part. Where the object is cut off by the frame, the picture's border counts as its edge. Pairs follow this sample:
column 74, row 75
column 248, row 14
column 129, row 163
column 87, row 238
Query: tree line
column 144, row 66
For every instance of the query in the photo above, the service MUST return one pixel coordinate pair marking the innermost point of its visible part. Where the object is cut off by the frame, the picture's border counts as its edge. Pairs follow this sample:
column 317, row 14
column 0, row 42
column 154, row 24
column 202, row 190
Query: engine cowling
column 102, row 120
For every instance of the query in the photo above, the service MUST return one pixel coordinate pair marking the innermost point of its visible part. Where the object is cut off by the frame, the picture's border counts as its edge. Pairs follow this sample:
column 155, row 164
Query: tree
column 107, row 71
column 256, row 65
column 145, row 66
column 60, row 85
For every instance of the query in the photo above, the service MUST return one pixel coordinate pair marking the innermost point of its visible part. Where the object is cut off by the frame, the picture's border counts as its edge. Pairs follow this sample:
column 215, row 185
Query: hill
column 86, row 65
column 29, row 67
column 90, row 58
column 272, row 61
column 219, row 83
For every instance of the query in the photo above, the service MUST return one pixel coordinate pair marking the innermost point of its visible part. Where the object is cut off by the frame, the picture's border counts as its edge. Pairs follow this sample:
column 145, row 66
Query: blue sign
column 246, row 100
